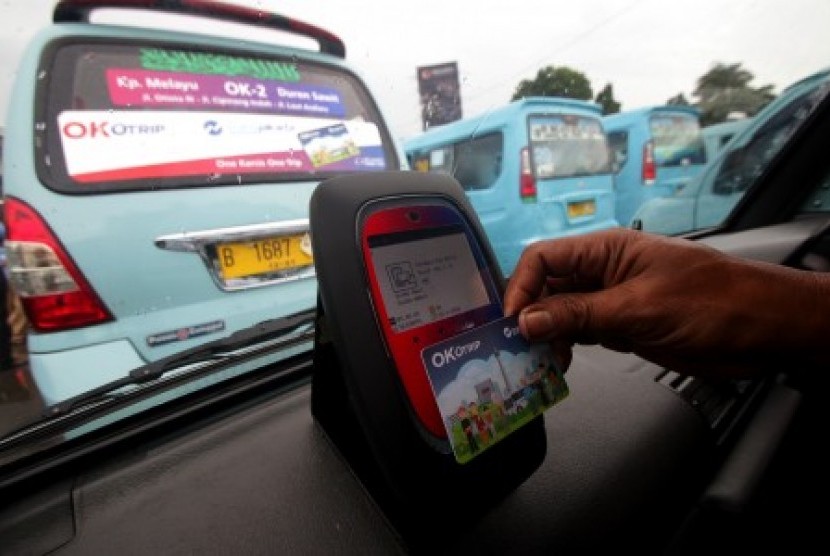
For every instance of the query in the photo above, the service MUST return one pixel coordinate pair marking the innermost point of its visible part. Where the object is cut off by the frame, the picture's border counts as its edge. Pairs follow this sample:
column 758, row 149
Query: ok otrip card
column 328, row 144
column 488, row 382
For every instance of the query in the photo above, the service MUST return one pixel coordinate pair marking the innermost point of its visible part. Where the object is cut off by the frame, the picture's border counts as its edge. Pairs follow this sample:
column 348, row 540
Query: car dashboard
column 638, row 457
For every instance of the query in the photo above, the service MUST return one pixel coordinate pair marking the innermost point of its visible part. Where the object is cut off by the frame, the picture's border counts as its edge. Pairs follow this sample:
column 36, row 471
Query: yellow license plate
column 263, row 256
column 582, row 208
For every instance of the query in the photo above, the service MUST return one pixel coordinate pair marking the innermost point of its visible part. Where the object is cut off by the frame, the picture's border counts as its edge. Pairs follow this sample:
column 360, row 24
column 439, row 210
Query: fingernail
column 536, row 323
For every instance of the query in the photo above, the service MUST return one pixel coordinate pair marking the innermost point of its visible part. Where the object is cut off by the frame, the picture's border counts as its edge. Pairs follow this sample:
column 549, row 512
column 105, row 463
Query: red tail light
column 649, row 166
column 527, row 183
column 55, row 294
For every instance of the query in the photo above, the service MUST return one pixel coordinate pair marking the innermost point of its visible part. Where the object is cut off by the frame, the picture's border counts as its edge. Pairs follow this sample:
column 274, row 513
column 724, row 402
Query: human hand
column 675, row 302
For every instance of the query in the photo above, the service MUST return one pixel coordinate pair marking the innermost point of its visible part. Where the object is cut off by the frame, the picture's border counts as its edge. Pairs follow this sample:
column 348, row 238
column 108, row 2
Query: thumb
column 572, row 316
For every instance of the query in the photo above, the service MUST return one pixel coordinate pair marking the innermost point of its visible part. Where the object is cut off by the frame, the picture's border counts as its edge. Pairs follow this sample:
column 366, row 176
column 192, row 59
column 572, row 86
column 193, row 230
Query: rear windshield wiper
column 265, row 337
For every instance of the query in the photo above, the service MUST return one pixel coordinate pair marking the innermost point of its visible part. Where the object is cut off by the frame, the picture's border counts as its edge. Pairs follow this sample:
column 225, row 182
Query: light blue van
column 656, row 150
column 159, row 189
column 709, row 199
column 536, row 168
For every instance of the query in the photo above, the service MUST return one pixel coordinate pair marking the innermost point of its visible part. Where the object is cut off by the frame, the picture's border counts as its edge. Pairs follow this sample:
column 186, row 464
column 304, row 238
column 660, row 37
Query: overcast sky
column 649, row 50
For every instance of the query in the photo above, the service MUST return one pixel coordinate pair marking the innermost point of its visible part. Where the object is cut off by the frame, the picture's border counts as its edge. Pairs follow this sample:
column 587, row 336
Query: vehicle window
column 677, row 140
column 438, row 161
column 568, row 146
column 153, row 116
column 478, row 161
column 746, row 162
column 475, row 163
column 724, row 140
column 618, row 143
column 819, row 200
column 157, row 183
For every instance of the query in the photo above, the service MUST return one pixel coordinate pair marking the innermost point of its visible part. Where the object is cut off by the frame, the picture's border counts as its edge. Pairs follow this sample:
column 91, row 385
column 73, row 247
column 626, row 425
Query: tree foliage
column 605, row 98
column 726, row 88
column 551, row 81
column 678, row 100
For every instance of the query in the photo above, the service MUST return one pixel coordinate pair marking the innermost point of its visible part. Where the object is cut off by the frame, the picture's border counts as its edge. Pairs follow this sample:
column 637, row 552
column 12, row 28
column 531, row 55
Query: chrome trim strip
column 199, row 241
column 194, row 241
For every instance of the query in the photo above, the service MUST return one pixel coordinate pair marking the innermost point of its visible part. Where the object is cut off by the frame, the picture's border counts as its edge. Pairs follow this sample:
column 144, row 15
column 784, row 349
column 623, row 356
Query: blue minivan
column 657, row 151
column 159, row 193
column 536, row 168
column 713, row 194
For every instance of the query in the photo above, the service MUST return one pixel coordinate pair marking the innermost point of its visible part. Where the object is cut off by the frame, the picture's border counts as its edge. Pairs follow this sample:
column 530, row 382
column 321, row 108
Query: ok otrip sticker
column 328, row 145
column 488, row 382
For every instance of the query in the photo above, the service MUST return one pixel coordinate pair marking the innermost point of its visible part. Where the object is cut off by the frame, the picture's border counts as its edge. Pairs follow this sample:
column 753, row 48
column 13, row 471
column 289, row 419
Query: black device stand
column 357, row 397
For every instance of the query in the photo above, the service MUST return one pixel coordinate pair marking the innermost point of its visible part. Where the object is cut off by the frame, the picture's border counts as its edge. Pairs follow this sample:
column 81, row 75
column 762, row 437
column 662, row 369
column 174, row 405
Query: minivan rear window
column 677, row 139
column 568, row 145
column 125, row 117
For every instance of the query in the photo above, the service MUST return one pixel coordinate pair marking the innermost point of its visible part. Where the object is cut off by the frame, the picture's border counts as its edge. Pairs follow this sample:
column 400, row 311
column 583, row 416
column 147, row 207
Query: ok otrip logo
column 448, row 355
column 212, row 127
column 510, row 331
column 105, row 129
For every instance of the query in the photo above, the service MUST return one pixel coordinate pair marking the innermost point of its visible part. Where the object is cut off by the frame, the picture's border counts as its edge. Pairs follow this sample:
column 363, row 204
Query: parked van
column 709, row 199
column 537, row 168
column 159, row 193
column 656, row 150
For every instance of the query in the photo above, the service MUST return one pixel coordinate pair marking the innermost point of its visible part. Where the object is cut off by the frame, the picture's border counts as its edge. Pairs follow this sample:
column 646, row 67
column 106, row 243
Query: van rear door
column 677, row 150
column 175, row 172
column 570, row 162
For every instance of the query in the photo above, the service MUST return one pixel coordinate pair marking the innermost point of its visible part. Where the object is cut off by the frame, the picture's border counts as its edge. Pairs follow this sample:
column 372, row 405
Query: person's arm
column 675, row 302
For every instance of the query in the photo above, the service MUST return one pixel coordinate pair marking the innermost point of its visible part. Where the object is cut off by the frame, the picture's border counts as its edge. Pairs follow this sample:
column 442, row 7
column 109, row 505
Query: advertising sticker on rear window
column 137, row 117
column 329, row 144
column 103, row 145
column 143, row 88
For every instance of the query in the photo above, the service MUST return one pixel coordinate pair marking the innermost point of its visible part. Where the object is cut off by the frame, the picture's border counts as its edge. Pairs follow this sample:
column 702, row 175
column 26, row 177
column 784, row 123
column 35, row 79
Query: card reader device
column 431, row 395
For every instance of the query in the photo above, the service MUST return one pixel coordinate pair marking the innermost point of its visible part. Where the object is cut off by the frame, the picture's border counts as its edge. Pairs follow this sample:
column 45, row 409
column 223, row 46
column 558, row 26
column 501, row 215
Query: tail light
column 527, row 183
column 649, row 166
column 54, row 293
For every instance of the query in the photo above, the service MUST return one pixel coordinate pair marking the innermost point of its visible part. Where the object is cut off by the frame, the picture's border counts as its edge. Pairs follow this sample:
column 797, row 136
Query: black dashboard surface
column 626, row 459
column 632, row 453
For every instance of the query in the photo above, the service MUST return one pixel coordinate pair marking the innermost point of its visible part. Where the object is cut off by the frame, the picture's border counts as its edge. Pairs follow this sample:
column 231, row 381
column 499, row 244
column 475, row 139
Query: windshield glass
column 131, row 116
column 157, row 169
column 677, row 139
column 747, row 158
column 568, row 146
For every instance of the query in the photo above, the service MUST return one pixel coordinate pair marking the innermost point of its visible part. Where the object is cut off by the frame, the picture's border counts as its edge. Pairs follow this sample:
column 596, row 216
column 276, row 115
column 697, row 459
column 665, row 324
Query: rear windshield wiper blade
column 290, row 330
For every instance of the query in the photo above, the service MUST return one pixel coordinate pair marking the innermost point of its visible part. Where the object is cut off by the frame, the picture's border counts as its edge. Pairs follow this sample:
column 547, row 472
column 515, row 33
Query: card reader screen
column 426, row 279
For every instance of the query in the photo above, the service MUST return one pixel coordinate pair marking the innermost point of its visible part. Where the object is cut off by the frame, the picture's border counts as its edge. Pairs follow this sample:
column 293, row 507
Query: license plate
column 264, row 256
column 582, row 208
